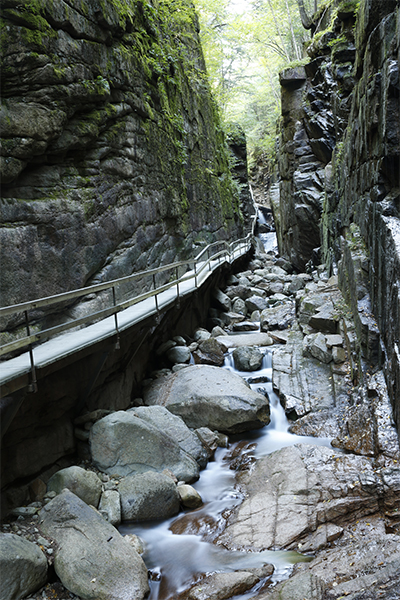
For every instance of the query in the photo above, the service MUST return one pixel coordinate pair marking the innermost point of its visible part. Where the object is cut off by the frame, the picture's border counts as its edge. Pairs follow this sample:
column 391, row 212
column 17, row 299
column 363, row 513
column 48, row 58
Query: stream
column 180, row 549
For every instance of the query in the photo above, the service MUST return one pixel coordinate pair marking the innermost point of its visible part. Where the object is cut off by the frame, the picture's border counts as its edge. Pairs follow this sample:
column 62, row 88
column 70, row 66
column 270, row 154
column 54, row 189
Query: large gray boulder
column 148, row 496
column 176, row 428
column 123, row 444
column 206, row 396
column 247, row 358
column 92, row 559
column 23, row 567
column 85, row 484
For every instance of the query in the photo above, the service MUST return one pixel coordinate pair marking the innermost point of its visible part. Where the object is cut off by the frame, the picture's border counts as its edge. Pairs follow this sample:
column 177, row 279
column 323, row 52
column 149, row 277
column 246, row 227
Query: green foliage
column 244, row 52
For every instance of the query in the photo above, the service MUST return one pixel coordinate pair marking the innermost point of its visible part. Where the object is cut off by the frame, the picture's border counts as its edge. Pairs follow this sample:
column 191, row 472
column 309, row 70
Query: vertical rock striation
column 112, row 159
column 339, row 169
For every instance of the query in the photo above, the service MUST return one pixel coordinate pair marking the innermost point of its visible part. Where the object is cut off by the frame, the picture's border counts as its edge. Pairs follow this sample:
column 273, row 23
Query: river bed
column 181, row 549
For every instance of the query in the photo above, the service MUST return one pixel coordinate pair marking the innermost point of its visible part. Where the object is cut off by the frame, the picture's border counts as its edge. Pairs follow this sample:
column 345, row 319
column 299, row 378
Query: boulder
column 278, row 317
column 189, row 497
column 201, row 334
column 210, row 352
column 210, row 440
column 222, row 300
column 110, row 506
column 239, row 306
column 85, row 484
column 123, row 444
column 92, row 559
column 247, row 358
column 176, row 428
column 178, row 354
column 23, row 567
column 255, row 303
column 315, row 344
column 251, row 339
column 221, row 586
column 148, row 496
column 206, row 396
column 245, row 326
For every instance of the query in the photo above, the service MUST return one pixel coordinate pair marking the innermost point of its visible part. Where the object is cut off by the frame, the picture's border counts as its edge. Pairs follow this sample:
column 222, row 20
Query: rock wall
column 113, row 159
column 339, row 169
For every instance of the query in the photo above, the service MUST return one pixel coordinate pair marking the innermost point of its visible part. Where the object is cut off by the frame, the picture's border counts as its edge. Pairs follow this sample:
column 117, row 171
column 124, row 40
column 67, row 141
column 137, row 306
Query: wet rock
column 210, row 352
column 201, row 334
column 189, row 497
column 303, row 384
column 278, row 317
column 339, row 355
column 163, row 348
column 85, row 484
column 299, row 587
column 231, row 318
column 239, row 306
column 222, row 300
column 255, row 303
column 315, row 345
column 294, row 490
column 251, row 339
column 110, row 505
column 91, row 558
column 23, row 567
column 148, row 496
column 245, row 326
column 210, row 440
column 176, row 428
column 218, row 332
column 206, row 396
column 221, row 586
column 178, row 354
column 247, row 358
column 123, row 444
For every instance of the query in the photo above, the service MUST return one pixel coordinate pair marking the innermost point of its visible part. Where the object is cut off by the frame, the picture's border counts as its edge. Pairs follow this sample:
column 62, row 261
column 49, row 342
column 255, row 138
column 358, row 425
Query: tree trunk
column 305, row 19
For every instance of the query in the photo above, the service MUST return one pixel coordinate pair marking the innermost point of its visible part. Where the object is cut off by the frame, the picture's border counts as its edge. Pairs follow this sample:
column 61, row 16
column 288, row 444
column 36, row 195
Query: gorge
column 114, row 161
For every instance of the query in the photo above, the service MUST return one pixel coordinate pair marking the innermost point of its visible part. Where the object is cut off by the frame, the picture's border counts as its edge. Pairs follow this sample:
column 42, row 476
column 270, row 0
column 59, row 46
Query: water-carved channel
column 180, row 550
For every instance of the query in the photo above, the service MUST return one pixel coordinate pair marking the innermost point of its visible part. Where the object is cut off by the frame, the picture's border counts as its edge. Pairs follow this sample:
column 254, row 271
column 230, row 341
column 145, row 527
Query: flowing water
column 179, row 550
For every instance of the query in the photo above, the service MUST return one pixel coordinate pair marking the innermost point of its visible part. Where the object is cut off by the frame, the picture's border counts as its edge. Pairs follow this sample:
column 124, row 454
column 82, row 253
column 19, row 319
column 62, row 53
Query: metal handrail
column 199, row 264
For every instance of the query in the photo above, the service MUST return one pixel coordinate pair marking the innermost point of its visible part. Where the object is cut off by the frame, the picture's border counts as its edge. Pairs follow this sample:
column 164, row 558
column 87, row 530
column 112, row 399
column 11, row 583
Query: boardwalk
column 71, row 342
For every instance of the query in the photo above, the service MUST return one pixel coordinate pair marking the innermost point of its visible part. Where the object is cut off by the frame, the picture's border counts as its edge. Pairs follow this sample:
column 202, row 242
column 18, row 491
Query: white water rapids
column 177, row 559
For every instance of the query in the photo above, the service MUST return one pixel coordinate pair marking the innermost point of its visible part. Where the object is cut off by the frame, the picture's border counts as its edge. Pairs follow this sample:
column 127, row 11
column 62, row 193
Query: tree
column 245, row 46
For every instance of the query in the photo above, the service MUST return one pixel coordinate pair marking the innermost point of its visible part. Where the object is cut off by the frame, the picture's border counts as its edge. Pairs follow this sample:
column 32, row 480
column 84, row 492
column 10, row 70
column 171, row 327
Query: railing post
column 195, row 274
column 117, row 345
column 155, row 297
column 177, row 286
column 33, row 384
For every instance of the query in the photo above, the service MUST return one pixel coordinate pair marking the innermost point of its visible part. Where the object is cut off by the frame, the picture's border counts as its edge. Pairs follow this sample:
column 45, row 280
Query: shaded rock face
column 339, row 171
column 23, row 567
column 111, row 159
column 92, row 559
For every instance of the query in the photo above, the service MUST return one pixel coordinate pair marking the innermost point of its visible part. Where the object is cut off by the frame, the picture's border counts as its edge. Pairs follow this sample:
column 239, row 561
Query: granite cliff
column 113, row 158
column 338, row 197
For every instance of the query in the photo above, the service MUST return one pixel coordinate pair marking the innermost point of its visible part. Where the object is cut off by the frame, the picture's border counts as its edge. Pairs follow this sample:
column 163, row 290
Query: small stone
column 333, row 339
column 338, row 355
column 189, row 497
column 201, row 334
